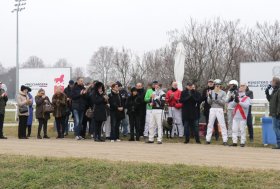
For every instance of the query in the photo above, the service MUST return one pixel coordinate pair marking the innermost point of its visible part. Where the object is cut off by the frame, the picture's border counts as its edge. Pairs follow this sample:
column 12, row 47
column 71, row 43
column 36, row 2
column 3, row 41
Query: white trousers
column 147, row 123
column 156, row 123
column 107, row 127
column 230, row 118
column 239, row 125
column 178, row 127
column 219, row 114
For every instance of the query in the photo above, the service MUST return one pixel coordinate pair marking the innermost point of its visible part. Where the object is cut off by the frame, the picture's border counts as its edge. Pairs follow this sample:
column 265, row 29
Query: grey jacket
column 218, row 99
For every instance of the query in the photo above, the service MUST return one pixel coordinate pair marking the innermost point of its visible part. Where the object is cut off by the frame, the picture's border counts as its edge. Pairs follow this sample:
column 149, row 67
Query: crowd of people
column 149, row 112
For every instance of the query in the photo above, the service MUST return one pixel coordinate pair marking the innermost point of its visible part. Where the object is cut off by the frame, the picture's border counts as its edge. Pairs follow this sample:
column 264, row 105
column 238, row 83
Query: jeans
column 191, row 125
column 276, row 128
column 66, row 129
column 124, row 126
column 78, row 120
column 250, row 124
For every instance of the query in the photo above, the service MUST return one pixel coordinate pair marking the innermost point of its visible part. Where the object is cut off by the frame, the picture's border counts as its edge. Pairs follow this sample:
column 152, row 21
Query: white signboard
column 258, row 76
column 46, row 78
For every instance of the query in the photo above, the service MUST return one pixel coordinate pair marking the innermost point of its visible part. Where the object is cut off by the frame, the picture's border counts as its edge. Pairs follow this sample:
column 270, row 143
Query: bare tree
column 33, row 62
column 61, row 63
column 100, row 65
column 78, row 72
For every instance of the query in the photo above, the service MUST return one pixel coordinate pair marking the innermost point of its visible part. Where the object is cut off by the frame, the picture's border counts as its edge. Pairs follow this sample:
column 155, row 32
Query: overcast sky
column 74, row 29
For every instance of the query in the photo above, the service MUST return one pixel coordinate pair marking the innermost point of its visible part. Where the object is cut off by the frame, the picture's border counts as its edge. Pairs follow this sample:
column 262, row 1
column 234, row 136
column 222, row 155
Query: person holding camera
column 133, row 104
column 274, row 107
column 241, row 105
column 231, row 94
column 217, row 100
column 99, row 103
column 23, row 103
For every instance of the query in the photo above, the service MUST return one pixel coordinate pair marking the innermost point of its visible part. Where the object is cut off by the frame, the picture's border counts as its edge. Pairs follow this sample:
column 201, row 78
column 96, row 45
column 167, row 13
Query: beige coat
column 21, row 101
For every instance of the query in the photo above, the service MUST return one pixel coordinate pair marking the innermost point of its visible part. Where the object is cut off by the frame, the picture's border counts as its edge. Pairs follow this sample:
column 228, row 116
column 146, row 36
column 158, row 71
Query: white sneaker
column 118, row 140
column 112, row 141
column 77, row 138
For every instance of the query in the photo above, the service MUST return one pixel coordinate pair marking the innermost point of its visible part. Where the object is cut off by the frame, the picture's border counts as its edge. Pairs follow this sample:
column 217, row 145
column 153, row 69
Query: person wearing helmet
column 241, row 104
column 232, row 92
column 217, row 99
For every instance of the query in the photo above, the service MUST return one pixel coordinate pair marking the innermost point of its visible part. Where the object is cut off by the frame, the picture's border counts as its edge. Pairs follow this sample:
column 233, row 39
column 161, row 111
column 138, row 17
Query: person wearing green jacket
column 147, row 99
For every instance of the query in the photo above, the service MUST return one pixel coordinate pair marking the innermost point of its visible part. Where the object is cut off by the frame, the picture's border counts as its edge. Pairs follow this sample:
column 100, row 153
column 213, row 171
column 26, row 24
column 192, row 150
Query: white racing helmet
column 233, row 82
column 217, row 82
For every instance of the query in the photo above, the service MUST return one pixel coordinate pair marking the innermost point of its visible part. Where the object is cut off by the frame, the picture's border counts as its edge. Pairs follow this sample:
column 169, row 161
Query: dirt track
column 191, row 154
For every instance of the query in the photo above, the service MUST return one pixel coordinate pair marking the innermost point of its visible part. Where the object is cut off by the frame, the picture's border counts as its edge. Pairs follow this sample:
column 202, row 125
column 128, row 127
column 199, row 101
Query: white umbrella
column 179, row 66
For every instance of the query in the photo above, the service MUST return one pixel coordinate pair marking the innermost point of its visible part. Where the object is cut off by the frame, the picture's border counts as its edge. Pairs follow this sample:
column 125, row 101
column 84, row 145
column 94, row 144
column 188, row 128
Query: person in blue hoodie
column 30, row 117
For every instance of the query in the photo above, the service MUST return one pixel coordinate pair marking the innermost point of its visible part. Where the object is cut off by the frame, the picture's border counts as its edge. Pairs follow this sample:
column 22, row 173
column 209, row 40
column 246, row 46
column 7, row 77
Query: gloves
column 236, row 99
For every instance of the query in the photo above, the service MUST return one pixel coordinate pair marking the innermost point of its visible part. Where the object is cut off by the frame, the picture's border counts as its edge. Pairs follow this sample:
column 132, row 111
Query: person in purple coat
column 30, row 117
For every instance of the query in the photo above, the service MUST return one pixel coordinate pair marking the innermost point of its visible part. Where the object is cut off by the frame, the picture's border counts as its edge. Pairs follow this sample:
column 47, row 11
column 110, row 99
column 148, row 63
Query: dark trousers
column 142, row 121
column 22, row 126
column 60, row 126
column 29, row 130
column 2, row 116
column 250, row 124
column 43, row 123
column 216, row 128
column 191, row 125
column 85, row 122
column 134, row 123
column 115, row 126
column 97, row 129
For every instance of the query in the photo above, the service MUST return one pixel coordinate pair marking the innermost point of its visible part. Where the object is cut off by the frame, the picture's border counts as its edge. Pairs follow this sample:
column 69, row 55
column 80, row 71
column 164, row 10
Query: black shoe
column 39, row 137
column 150, row 142
column 28, row 136
column 131, row 139
column 46, row 137
column 242, row 145
column 186, row 142
column 97, row 140
column 233, row 144
column 208, row 142
column 3, row 137
column 198, row 142
column 225, row 143
column 276, row 147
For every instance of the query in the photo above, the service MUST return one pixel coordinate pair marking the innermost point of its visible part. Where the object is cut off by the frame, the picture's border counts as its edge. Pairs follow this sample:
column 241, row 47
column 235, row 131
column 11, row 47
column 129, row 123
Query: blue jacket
column 30, row 117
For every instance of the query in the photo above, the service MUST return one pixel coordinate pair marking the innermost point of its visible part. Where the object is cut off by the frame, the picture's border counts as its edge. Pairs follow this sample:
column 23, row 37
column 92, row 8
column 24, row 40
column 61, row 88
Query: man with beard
column 274, row 107
column 210, row 86
column 142, row 107
column 68, row 91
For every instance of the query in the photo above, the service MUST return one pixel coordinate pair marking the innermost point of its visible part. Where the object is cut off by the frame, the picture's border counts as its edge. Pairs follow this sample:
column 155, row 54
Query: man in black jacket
column 190, row 100
column 142, row 108
column 3, row 101
column 116, row 112
column 274, row 107
column 210, row 86
column 68, row 91
column 78, row 105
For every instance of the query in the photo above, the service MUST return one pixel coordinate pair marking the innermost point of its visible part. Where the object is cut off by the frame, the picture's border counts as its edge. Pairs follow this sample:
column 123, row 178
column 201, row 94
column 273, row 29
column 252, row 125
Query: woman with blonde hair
column 59, row 101
column 41, row 100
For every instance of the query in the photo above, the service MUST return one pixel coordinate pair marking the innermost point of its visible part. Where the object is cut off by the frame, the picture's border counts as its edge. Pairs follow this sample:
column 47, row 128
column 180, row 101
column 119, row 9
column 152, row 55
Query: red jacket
column 173, row 102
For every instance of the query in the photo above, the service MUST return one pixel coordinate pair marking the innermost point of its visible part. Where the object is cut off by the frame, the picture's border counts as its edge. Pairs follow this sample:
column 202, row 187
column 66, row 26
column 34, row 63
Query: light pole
column 19, row 7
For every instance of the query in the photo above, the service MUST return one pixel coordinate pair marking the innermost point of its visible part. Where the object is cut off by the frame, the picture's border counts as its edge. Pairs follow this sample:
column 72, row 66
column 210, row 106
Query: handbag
column 48, row 108
column 23, row 109
column 90, row 113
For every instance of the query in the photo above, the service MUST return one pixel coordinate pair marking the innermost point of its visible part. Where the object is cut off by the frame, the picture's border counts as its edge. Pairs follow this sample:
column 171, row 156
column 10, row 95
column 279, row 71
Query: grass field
column 31, row 172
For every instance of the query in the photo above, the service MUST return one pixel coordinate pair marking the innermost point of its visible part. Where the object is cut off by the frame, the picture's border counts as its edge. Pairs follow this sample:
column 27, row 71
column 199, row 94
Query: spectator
column 142, row 108
column 78, row 105
column 190, row 99
column 274, row 107
column 23, row 111
column 30, row 117
column 59, row 101
column 250, row 94
column 3, row 101
column 116, row 112
column 41, row 100
column 133, row 108
column 68, row 92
